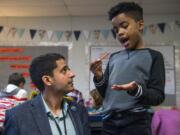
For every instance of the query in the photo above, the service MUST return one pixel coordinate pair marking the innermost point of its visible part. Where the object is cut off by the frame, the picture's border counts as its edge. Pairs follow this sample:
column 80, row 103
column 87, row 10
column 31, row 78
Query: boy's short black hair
column 43, row 65
column 16, row 79
column 130, row 8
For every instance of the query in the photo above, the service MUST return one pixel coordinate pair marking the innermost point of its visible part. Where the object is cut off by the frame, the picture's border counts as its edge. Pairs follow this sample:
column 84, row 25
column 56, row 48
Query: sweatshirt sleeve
column 153, row 92
column 102, row 83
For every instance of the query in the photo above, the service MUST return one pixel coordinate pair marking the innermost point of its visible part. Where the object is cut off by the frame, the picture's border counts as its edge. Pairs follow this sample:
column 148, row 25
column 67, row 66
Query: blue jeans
column 127, row 123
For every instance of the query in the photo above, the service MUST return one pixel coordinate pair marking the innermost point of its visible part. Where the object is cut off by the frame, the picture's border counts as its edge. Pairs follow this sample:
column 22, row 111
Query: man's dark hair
column 16, row 79
column 130, row 8
column 43, row 65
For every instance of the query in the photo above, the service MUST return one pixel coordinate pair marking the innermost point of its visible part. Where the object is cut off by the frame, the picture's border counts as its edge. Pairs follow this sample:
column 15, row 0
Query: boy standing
column 134, row 78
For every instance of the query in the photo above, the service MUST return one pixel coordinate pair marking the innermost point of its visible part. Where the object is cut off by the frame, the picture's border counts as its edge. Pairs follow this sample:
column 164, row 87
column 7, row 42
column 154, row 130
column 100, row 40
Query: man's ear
column 141, row 25
column 47, row 80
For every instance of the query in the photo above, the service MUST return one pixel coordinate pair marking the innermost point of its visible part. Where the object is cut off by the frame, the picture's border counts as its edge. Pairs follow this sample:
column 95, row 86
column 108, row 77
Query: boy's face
column 62, row 79
column 21, row 85
column 128, row 31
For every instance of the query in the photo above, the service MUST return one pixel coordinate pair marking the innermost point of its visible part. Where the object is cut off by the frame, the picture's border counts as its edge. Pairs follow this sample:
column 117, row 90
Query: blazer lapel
column 73, row 112
column 40, row 116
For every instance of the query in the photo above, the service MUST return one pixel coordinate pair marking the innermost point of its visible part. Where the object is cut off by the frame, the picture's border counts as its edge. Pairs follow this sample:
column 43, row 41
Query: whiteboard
column 168, row 54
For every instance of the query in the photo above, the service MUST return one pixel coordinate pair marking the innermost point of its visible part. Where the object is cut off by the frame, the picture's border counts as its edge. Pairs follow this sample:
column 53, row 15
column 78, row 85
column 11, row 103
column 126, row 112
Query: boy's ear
column 47, row 80
column 141, row 25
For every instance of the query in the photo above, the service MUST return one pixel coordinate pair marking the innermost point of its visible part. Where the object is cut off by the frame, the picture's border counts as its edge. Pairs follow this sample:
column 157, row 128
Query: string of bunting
column 105, row 33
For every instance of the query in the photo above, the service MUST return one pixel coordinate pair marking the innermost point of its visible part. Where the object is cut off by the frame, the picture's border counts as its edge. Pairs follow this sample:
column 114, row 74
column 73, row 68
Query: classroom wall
column 79, row 51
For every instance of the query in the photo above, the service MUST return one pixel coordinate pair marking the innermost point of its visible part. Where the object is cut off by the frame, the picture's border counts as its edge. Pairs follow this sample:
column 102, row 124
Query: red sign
column 19, row 66
column 15, row 58
column 11, row 50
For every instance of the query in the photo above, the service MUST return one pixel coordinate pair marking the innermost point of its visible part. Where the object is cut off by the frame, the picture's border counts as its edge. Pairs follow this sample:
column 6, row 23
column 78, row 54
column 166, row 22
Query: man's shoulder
column 21, row 108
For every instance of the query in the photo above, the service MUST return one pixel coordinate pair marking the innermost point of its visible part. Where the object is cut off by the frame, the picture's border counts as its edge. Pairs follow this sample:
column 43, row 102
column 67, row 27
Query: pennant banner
column 105, row 33
column 177, row 23
column 171, row 25
column 144, row 30
column 32, row 33
column 20, row 32
column 1, row 28
column 41, row 33
column 152, row 28
column 161, row 26
column 86, row 34
column 49, row 34
column 77, row 34
column 97, row 34
column 59, row 34
column 68, row 35
column 12, row 31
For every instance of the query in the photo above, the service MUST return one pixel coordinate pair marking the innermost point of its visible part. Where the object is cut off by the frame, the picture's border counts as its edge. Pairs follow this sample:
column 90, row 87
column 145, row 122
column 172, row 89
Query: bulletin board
column 18, row 58
column 168, row 54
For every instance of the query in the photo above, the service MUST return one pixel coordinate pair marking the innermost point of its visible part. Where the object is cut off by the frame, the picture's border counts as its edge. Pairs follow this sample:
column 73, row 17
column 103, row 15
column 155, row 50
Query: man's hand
column 96, row 66
column 129, row 86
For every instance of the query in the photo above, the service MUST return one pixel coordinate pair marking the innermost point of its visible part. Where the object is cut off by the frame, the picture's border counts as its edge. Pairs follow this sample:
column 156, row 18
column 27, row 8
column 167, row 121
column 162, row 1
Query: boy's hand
column 96, row 66
column 129, row 86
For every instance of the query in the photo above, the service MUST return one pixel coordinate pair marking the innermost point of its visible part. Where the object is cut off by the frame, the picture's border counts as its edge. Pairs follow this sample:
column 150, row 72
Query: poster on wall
column 18, row 59
column 168, row 54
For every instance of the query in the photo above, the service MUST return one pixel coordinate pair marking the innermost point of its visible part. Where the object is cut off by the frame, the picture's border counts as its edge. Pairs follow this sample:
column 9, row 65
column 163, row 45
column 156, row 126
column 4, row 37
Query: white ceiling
column 21, row 8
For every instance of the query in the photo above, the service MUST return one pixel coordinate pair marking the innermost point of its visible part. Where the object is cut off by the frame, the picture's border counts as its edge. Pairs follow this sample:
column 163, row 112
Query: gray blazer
column 30, row 118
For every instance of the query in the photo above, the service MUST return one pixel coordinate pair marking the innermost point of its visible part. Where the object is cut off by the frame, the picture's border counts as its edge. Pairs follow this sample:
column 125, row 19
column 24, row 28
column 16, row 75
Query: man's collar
column 49, row 112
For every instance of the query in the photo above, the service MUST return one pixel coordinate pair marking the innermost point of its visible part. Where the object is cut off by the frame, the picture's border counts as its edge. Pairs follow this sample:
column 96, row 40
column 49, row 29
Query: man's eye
column 63, row 71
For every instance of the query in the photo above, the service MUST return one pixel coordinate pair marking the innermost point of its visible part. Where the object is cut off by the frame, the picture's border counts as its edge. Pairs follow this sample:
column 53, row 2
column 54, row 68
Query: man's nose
column 72, row 74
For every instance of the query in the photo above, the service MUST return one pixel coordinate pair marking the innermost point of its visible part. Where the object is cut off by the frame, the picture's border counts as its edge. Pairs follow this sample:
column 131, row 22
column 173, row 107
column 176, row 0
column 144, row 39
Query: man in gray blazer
column 49, row 113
